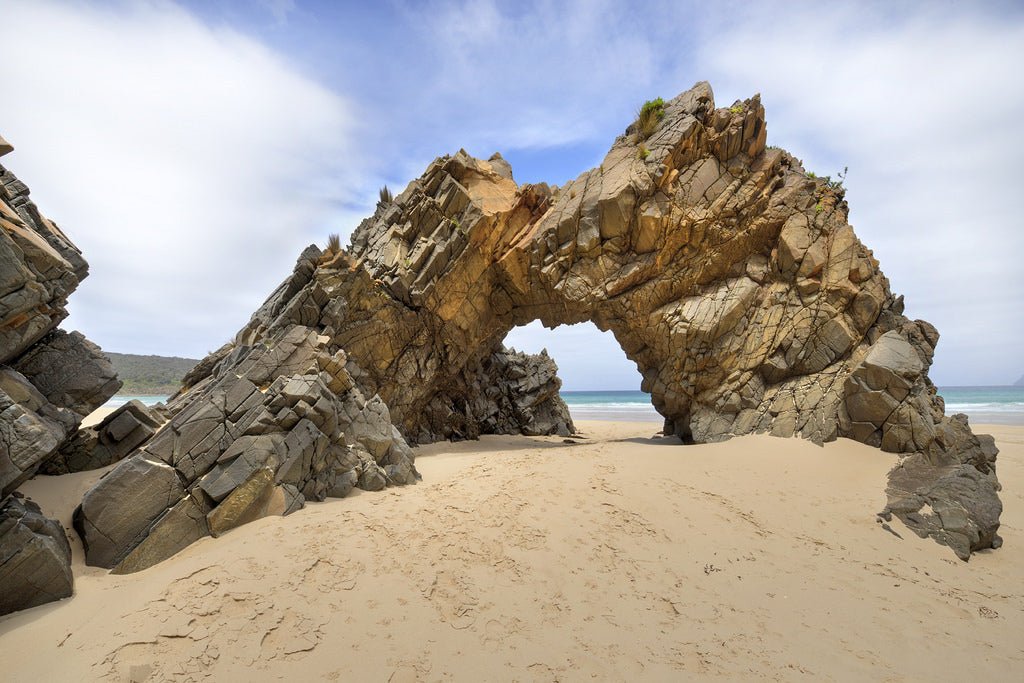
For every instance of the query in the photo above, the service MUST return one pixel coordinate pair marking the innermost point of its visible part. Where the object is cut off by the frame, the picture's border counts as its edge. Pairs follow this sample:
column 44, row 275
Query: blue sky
column 192, row 149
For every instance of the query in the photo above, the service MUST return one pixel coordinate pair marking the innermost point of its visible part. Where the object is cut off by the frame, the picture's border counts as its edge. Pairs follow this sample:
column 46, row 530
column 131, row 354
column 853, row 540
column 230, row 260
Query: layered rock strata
column 108, row 442
column 35, row 557
column 49, row 381
column 276, row 423
column 727, row 273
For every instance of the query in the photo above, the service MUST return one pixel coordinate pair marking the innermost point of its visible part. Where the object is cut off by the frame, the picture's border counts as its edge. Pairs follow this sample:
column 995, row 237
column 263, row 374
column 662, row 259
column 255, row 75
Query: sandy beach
column 622, row 556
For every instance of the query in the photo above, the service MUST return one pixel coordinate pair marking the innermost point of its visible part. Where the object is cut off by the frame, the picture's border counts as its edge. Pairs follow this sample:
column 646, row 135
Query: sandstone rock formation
column 728, row 274
column 49, row 381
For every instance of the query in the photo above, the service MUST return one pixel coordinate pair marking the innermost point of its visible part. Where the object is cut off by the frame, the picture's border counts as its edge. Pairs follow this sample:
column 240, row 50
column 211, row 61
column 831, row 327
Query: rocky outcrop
column 49, row 380
column 727, row 273
column 35, row 557
column 506, row 392
column 106, row 443
column 276, row 423
column 39, row 268
column 70, row 371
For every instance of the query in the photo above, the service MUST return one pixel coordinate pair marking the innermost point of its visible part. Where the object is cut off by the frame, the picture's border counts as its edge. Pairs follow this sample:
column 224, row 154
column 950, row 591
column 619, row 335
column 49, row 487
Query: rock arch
column 727, row 274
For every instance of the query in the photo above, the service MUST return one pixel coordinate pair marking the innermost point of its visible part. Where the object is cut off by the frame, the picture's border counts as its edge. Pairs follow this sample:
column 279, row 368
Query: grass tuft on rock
column 648, row 117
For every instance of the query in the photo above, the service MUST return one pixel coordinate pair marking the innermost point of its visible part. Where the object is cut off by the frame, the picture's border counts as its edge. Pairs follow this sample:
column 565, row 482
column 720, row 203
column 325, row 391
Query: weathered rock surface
column 31, row 429
column 506, row 392
column 274, row 424
column 35, row 557
column 110, row 441
column 70, row 371
column 728, row 274
column 39, row 268
column 49, row 380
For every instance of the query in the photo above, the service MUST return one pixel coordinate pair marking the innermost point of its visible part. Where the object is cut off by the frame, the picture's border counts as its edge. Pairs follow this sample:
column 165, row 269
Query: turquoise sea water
column 998, row 405
column 146, row 400
column 994, row 405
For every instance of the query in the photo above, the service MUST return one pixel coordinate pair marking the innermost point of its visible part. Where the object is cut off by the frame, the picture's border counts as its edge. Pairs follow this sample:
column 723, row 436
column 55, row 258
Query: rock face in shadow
column 49, row 380
column 110, row 441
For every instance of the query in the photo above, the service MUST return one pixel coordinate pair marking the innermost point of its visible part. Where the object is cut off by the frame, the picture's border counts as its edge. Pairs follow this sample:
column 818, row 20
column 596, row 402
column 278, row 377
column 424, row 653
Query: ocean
column 983, row 405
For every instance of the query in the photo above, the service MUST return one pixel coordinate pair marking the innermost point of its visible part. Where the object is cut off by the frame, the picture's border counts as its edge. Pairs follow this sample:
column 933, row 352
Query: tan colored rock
column 726, row 273
column 245, row 503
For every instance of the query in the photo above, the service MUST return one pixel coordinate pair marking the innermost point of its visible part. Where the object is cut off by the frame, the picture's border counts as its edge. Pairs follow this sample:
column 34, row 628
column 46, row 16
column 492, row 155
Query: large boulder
column 35, row 557
column 31, row 429
column 70, row 371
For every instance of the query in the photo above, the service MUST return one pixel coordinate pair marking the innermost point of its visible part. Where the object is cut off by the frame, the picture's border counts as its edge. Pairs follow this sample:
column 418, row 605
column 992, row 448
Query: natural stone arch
column 730, row 276
column 727, row 274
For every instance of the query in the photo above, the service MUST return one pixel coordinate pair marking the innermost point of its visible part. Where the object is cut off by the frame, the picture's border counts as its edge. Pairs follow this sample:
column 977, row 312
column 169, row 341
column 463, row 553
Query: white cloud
column 922, row 103
column 190, row 165
column 532, row 76
column 925, row 111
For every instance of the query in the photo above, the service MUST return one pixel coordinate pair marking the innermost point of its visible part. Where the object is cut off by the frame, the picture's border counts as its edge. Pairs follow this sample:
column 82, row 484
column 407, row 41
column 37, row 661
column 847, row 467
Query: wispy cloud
column 922, row 103
column 924, row 108
column 190, row 164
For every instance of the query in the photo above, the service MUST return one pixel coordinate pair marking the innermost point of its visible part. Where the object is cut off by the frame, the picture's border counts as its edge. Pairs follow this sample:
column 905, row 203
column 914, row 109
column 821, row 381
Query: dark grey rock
column 110, row 441
column 116, row 515
column 70, row 371
column 31, row 429
column 372, row 477
column 343, row 484
column 35, row 557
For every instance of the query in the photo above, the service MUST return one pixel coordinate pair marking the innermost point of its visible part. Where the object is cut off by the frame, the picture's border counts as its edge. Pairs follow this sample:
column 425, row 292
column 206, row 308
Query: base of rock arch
column 728, row 274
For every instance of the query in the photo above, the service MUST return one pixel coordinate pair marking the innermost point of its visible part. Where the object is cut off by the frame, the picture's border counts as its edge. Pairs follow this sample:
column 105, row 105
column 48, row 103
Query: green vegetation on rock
column 647, row 119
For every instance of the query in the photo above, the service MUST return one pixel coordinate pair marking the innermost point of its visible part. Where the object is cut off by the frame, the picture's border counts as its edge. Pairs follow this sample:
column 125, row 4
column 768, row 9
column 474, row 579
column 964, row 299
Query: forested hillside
column 150, row 375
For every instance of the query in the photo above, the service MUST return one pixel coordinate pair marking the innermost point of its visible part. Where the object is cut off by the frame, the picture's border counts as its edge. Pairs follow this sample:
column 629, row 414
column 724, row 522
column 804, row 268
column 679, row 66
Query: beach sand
column 620, row 557
column 97, row 416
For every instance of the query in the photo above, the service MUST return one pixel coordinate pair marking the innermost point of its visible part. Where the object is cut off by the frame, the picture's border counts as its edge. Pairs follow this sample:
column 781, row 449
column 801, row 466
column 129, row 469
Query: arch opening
column 598, row 380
